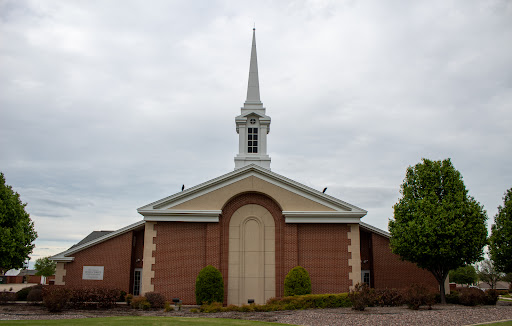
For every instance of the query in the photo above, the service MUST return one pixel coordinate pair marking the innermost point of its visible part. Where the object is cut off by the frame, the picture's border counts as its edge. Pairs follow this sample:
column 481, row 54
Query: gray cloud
column 105, row 108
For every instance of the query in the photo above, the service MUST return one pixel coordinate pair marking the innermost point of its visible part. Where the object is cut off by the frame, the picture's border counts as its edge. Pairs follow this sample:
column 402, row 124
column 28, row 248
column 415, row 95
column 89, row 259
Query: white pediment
column 299, row 203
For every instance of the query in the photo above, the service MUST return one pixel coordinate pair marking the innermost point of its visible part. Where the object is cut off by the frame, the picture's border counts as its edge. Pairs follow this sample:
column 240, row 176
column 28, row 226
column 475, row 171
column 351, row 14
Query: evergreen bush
column 297, row 282
column 209, row 286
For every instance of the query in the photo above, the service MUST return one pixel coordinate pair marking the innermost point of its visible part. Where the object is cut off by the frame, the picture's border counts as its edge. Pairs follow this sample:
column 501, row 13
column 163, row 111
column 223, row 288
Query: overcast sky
column 106, row 106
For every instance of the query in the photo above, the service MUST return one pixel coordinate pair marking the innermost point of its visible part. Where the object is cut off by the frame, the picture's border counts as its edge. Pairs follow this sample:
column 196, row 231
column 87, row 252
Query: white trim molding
column 171, row 215
column 322, row 217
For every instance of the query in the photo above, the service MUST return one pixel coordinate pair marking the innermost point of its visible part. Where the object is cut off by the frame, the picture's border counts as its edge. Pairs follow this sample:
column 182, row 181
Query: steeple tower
column 252, row 125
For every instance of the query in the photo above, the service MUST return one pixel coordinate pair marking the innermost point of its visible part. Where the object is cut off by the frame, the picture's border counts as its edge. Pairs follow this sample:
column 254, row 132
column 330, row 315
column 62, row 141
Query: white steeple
column 252, row 125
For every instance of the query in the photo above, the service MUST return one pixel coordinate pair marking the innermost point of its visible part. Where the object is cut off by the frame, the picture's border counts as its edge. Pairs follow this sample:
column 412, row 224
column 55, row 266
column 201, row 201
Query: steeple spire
column 253, row 124
column 253, row 88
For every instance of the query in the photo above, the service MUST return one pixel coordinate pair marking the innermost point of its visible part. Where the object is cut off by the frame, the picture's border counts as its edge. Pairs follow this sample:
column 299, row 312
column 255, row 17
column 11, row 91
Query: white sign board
column 93, row 273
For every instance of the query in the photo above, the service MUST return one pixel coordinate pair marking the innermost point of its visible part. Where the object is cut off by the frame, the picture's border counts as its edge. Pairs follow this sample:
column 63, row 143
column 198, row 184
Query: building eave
column 373, row 229
column 64, row 256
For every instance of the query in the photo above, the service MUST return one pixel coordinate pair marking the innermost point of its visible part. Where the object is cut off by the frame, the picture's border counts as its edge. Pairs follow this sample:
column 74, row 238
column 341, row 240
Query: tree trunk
column 441, row 288
column 441, row 277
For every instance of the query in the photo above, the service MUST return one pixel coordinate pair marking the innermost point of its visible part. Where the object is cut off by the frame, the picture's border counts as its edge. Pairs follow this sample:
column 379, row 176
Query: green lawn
column 139, row 321
column 503, row 323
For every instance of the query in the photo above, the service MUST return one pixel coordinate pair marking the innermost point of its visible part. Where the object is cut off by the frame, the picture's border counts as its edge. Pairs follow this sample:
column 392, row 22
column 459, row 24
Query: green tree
column 488, row 273
column 501, row 236
column 464, row 275
column 297, row 282
column 17, row 232
column 209, row 286
column 437, row 225
column 45, row 266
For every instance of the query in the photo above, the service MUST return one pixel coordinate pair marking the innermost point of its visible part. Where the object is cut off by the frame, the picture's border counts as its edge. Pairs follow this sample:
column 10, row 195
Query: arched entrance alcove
column 252, row 224
column 251, row 259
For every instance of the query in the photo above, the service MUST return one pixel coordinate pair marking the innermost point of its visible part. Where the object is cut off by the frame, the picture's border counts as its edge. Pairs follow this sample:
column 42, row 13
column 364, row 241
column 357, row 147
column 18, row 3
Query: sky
column 106, row 106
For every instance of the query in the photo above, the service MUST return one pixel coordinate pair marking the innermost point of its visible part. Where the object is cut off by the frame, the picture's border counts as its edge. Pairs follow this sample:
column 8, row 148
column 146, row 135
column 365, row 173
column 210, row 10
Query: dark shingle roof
column 92, row 236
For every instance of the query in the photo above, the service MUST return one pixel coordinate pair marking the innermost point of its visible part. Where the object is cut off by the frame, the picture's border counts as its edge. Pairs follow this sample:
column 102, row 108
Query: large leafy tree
column 17, row 232
column 437, row 225
column 501, row 236
column 464, row 275
column 45, row 266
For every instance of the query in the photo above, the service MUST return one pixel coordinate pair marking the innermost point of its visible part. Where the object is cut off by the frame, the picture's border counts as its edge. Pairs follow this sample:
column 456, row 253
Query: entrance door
column 251, row 266
column 137, row 276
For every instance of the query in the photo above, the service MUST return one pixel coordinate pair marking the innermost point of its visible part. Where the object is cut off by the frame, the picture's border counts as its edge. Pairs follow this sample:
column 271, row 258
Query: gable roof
column 98, row 237
column 167, row 209
column 92, row 236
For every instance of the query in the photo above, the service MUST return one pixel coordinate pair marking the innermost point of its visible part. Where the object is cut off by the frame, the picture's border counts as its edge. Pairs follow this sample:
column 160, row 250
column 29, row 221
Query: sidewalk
column 15, row 286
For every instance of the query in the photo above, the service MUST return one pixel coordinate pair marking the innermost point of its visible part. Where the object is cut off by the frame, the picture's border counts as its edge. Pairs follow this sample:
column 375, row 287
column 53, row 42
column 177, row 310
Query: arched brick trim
column 227, row 212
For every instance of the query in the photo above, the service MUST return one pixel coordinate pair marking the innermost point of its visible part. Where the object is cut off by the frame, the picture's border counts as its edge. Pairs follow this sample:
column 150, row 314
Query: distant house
column 501, row 285
column 19, row 276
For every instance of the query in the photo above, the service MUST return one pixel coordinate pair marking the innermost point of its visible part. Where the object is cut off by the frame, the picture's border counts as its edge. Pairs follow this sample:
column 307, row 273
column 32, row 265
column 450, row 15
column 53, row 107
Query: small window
column 137, row 276
column 365, row 277
column 252, row 137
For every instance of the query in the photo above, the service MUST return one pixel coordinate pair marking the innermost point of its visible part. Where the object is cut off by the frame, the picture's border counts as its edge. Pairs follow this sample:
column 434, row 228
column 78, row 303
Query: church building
column 252, row 224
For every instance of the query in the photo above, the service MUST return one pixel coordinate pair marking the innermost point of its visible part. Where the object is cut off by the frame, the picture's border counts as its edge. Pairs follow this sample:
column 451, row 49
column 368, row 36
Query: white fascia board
column 170, row 215
column 166, row 218
column 373, row 229
column 106, row 237
column 320, row 220
column 241, row 173
column 62, row 259
column 322, row 217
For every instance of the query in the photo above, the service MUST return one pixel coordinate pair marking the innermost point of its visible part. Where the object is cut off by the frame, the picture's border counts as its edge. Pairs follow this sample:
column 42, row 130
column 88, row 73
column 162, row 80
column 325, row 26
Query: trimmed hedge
column 297, row 282
column 297, row 302
column 209, row 286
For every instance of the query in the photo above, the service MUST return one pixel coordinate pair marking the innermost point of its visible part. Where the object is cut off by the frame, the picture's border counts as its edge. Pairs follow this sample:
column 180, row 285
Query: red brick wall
column 179, row 257
column 391, row 272
column 323, row 252
column 34, row 279
column 113, row 254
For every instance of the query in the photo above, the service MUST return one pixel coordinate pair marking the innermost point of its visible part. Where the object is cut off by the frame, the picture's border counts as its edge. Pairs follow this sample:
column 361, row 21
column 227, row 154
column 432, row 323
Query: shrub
column 22, row 294
column 452, row 298
column 6, row 297
column 491, row 297
column 209, row 286
column 155, row 299
column 168, row 307
column 471, row 296
column 418, row 295
column 122, row 297
column 286, row 303
column 211, row 307
column 35, row 295
column 55, row 298
column 502, row 292
column 297, row 282
column 128, row 298
column 388, row 297
column 93, row 298
column 140, row 302
column 361, row 296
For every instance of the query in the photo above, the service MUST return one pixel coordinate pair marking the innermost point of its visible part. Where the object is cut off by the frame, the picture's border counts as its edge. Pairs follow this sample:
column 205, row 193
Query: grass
column 501, row 323
column 140, row 321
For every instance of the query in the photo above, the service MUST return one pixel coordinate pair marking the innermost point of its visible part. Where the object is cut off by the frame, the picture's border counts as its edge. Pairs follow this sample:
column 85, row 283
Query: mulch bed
column 439, row 315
